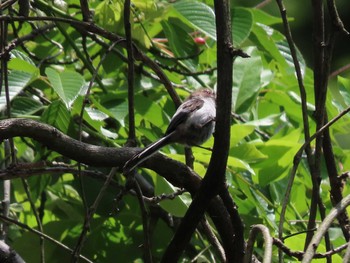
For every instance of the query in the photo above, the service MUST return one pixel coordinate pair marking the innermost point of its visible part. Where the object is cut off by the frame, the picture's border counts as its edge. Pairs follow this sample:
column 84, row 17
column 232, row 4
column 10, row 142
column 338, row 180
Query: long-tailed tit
column 192, row 124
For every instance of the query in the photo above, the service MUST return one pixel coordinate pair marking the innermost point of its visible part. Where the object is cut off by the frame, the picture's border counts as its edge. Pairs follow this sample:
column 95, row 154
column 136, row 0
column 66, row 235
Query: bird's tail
column 146, row 153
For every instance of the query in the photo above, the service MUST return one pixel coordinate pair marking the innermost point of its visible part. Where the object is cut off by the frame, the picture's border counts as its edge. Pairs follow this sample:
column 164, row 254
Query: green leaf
column 96, row 114
column 177, row 37
column 242, row 22
column 239, row 164
column 57, row 115
column 176, row 207
column 22, row 56
column 280, row 154
column 180, row 42
column 22, row 65
column 267, row 37
column 17, row 81
column 21, row 62
column 108, row 15
column 92, row 118
column 247, row 152
column 150, row 111
column 239, row 132
column 201, row 16
column 246, row 80
column 262, row 17
column 284, row 49
column 22, row 106
column 67, row 84
column 341, row 93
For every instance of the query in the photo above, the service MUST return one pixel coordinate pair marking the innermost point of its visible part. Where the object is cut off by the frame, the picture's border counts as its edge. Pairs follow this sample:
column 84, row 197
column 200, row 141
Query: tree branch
column 323, row 228
column 175, row 172
column 214, row 180
column 267, row 239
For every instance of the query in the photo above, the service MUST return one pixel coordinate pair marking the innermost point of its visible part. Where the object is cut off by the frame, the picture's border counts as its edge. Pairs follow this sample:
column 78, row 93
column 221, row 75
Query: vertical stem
column 129, row 48
column 7, row 191
column 84, row 5
column 214, row 179
column 320, row 91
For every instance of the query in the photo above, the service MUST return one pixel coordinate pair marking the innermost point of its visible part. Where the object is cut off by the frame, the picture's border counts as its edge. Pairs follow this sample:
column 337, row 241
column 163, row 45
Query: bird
column 192, row 124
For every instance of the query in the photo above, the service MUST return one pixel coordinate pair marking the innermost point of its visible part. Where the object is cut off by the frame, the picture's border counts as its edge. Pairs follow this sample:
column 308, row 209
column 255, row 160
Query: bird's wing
column 182, row 113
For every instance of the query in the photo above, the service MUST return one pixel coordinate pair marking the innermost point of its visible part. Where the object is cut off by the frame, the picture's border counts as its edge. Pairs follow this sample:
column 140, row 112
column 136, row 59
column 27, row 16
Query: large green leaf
column 180, row 42
column 280, row 154
column 264, row 18
column 242, row 22
column 201, row 16
column 284, row 49
column 17, row 81
column 341, row 93
column 247, row 152
column 108, row 15
column 23, row 106
column 239, row 132
column 22, row 56
column 246, row 80
column 57, row 115
column 67, row 84
column 150, row 111
column 239, row 165
column 266, row 37
column 176, row 207
column 23, row 65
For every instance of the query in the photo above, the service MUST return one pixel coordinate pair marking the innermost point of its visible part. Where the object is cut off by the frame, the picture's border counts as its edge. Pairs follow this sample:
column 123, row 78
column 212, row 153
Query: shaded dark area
column 301, row 25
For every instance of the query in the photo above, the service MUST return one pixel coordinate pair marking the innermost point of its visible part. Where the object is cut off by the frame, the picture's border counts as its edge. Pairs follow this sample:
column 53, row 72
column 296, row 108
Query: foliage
column 52, row 77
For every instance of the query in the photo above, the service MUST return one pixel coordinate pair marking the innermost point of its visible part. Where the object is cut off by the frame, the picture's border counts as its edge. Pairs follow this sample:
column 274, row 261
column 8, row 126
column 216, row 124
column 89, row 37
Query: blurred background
column 301, row 25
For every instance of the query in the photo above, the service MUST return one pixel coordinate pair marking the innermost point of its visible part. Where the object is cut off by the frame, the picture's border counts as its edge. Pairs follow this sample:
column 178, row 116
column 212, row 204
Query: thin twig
column 297, row 157
column 89, row 216
column 36, row 215
column 213, row 240
column 131, row 70
column 40, row 234
column 5, row 203
column 323, row 228
column 81, row 117
column 263, row 4
column 20, row 40
column 336, row 21
column 299, row 254
column 162, row 197
column 145, row 223
column 346, row 257
column 339, row 71
column 304, row 112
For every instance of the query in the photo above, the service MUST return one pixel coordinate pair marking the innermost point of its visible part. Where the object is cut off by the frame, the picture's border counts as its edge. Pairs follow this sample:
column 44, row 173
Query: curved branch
column 175, row 172
column 7, row 254
column 323, row 228
column 267, row 239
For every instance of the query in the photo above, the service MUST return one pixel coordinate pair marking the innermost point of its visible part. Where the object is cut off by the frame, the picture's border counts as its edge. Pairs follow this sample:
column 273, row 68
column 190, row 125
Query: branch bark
column 175, row 172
